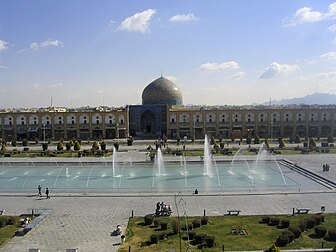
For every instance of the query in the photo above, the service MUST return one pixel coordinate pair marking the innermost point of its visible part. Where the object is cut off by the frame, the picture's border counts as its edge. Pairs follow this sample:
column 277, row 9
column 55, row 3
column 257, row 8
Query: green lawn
column 8, row 231
column 260, row 236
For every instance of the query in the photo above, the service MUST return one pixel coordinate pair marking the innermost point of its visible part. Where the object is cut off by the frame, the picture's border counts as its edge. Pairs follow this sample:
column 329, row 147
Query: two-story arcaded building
column 64, row 123
column 265, row 121
column 162, row 114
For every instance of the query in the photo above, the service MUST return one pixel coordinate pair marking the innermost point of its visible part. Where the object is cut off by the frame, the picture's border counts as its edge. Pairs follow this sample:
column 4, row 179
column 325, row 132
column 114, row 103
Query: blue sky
column 219, row 52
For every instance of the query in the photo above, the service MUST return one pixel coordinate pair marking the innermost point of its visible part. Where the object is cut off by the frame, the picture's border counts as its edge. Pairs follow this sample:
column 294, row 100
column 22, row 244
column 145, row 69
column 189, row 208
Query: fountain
column 207, row 157
column 114, row 161
column 263, row 156
column 260, row 172
column 159, row 163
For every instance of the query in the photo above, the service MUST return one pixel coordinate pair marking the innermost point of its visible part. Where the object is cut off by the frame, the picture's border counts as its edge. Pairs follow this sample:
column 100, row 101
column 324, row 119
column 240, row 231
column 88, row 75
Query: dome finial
column 161, row 72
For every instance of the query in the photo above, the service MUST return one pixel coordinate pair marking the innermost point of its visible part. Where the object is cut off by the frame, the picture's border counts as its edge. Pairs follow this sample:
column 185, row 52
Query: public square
column 86, row 220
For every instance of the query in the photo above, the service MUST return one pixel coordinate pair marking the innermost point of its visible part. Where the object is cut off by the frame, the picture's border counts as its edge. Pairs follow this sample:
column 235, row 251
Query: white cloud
column 4, row 67
column 308, row 15
column 56, row 85
column 237, row 76
column 329, row 56
column 139, row 22
column 326, row 76
column 45, row 44
column 276, row 69
column 3, row 45
column 217, row 67
column 183, row 18
column 332, row 28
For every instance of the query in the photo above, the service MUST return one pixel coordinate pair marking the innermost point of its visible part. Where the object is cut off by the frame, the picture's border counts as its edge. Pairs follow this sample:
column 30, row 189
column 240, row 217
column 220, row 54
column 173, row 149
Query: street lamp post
column 44, row 134
column 194, row 133
column 271, row 131
column 118, row 132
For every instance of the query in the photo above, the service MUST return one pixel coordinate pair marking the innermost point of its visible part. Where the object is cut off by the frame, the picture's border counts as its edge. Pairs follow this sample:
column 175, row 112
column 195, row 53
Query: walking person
column 39, row 190
column 47, row 193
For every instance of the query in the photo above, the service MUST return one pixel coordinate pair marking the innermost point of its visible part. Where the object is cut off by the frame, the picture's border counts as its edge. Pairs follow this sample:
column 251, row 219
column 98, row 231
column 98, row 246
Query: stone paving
column 87, row 221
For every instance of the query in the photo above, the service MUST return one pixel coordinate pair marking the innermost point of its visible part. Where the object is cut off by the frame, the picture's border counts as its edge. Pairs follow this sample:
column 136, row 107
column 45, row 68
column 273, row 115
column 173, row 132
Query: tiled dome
column 162, row 91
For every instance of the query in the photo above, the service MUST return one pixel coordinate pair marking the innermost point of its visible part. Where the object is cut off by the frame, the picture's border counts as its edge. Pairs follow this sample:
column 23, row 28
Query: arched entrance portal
column 148, row 123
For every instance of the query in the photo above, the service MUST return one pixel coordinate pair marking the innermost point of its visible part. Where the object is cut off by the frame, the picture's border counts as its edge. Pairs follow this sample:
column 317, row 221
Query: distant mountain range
column 316, row 98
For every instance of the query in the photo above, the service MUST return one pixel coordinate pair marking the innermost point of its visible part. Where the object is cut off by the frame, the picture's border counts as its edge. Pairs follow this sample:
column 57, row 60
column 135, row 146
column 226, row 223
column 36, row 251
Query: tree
column 281, row 143
column 257, row 140
column 77, row 146
column 3, row 147
column 312, row 143
column 60, row 146
column 103, row 145
column 95, row 146
column 45, row 146
column 297, row 139
column 330, row 139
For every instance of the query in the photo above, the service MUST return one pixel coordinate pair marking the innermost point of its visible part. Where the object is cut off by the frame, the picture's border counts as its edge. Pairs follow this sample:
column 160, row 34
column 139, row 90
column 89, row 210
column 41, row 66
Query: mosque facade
column 162, row 114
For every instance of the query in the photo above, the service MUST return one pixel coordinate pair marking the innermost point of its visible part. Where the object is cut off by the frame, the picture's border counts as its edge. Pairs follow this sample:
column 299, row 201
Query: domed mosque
column 150, row 118
column 162, row 91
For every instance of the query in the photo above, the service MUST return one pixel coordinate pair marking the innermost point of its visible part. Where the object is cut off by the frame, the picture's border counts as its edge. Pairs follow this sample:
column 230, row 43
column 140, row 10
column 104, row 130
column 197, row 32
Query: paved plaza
column 87, row 221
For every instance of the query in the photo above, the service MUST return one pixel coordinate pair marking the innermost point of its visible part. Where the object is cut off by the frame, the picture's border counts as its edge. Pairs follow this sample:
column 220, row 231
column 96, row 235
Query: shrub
column 68, row 146
column 322, row 217
column 302, row 225
column 156, row 223
column 10, row 220
column 320, row 231
column 196, row 223
column 290, row 235
column 188, row 226
column 164, row 225
column 284, row 223
column 273, row 248
column 317, row 218
column 274, row 222
column 332, row 234
column 163, row 236
column 175, row 226
column 310, row 223
column 191, row 235
column 154, row 239
column 199, row 238
column 267, row 143
column 24, row 142
column 130, row 141
column 3, row 222
column 204, row 220
column 282, row 240
column 14, row 143
column 148, row 219
column 265, row 220
column 296, row 231
column 210, row 241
